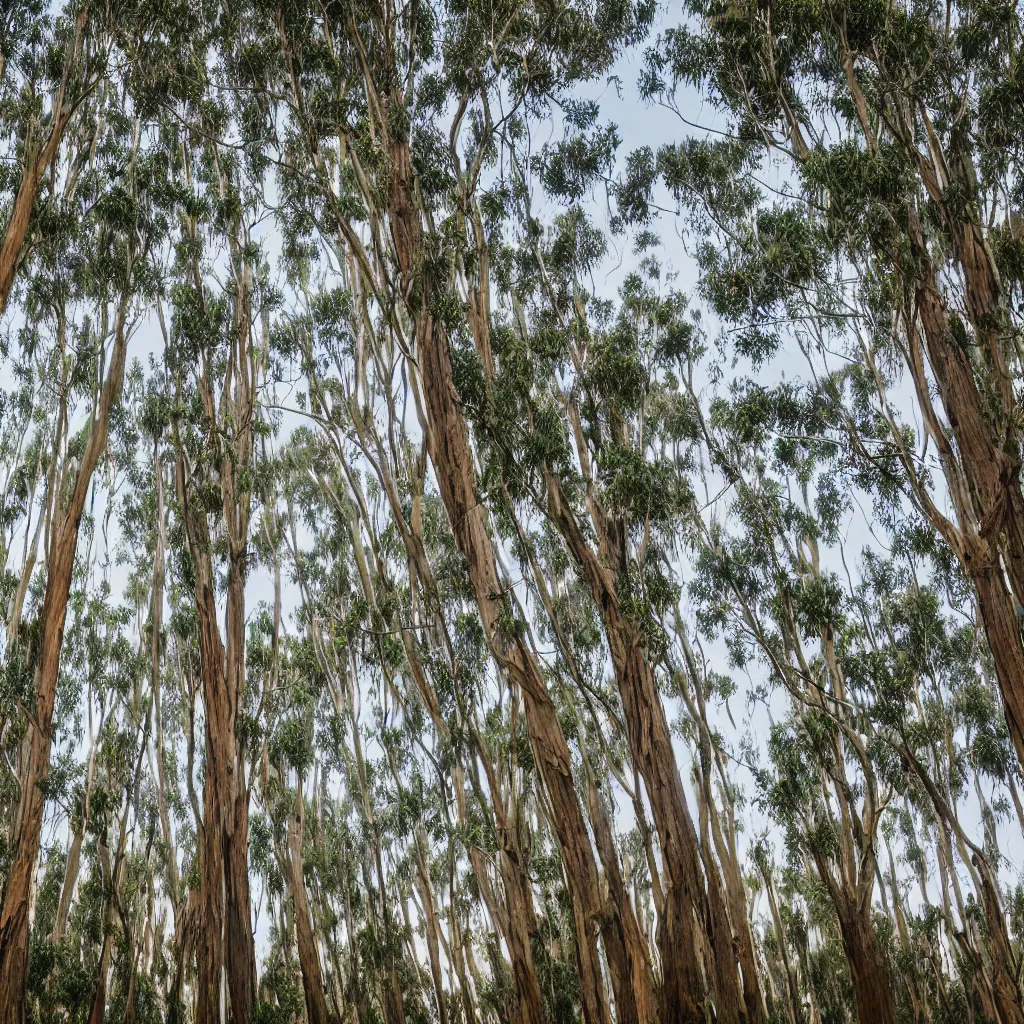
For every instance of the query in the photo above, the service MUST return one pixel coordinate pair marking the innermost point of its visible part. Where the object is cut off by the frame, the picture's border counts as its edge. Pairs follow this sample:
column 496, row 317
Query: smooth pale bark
column 431, row 926
column 71, row 869
column 14, row 917
column 515, row 918
column 1005, row 989
column 155, row 626
column 794, row 1008
column 74, row 860
column 186, row 929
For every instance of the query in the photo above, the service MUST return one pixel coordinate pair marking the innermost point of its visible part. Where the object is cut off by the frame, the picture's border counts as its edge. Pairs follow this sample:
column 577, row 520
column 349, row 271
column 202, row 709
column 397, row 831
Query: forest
column 511, row 512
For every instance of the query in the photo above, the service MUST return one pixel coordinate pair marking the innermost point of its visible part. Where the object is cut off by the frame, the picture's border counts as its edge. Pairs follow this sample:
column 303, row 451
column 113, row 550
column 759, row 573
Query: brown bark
column 630, row 970
column 632, row 979
column 36, row 166
column 994, row 480
column 515, row 921
column 226, row 939
column 14, row 924
column 871, row 987
column 983, row 472
column 309, row 957
column 690, row 890
column 452, row 458
column 725, row 847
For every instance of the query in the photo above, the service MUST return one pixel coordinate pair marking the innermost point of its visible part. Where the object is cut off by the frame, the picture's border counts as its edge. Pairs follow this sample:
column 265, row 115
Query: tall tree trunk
column 724, row 847
column 871, row 987
column 1005, row 989
column 689, row 891
column 14, row 918
column 793, row 1004
column 74, row 860
column 226, row 944
column 37, row 165
column 453, row 463
column 430, row 924
column 636, row 1000
column 156, row 626
column 515, row 921
column 309, row 956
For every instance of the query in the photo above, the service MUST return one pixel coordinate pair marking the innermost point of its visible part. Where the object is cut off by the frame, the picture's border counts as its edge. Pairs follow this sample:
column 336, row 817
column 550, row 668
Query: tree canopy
column 511, row 512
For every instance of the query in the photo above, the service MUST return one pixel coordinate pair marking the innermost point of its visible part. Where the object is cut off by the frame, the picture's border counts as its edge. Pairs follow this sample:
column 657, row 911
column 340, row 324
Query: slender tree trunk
column 635, row 1002
column 793, row 1006
column 14, row 917
column 1005, row 990
column 185, row 934
column 994, row 502
column 37, row 166
column 453, row 463
column 309, row 956
column 514, row 919
column 98, row 1006
column 226, row 945
column 689, row 890
column 156, row 626
column 75, row 851
column 431, row 925
column 70, row 879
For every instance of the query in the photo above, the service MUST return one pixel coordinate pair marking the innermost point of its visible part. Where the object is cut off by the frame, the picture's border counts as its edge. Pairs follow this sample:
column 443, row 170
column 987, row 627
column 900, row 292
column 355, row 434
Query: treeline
column 400, row 623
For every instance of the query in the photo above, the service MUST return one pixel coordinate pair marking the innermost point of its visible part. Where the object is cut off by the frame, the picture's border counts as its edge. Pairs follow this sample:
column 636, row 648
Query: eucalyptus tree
column 389, row 53
column 82, row 300
column 214, row 362
column 50, row 63
column 880, row 655
column 350, row 658
column 355, row 411
column 889, row 128
column 413, row 591
column 603, row 453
